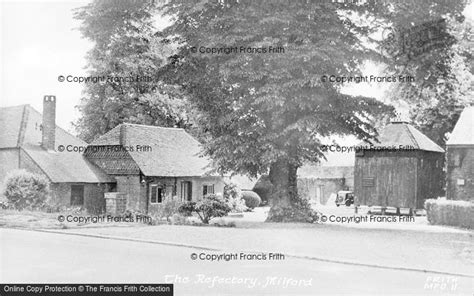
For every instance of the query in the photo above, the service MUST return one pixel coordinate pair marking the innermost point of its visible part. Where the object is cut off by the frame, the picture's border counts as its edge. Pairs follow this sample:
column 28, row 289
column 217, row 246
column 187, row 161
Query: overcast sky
column 39, row 41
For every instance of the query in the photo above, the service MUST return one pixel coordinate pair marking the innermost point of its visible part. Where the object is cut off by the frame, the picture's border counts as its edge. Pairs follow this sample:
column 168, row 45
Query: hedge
column 252, row 200
column 450, row 212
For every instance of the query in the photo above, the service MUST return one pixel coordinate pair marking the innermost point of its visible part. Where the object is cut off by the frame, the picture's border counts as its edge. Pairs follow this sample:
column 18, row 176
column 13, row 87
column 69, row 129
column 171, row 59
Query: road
column 38, row 257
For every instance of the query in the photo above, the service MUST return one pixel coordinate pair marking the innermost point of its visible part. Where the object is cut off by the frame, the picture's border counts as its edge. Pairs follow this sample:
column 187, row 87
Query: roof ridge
column 152, row 126
column 412, row 137
column 15, row 106
column 23, row 124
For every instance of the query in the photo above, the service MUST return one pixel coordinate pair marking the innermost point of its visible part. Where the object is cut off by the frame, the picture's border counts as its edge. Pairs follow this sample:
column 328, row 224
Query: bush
column 131, row 215
column 223, row 223
column 233, row 198
column 178, row 219
column 263, row 188
column 25, row 190
column 252, row 200
column 209, row 207
column 450, row 212
column 169, row 207
column 231, row 190
column 300, row 211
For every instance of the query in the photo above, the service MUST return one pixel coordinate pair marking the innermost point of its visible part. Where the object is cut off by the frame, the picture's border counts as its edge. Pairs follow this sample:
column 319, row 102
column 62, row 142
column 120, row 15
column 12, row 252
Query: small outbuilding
column 460, row 158
column 402, row 170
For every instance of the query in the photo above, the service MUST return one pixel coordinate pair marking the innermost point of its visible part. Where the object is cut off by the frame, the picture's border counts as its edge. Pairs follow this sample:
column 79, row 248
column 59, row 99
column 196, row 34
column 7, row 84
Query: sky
column 39, row 41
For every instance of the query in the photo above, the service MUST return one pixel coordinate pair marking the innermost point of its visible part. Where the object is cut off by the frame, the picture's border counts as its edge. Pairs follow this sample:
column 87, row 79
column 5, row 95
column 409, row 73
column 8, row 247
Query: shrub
column 209, row 207
column 300, row 211
column 450, row 212
column 132, row 215
column 169, row 207
column 252, row 200
column 233, row 198
column 25, row 190
column 231, row 190
column 178, row 219
column 223, row 223
column 237, row 205
column 263, row 188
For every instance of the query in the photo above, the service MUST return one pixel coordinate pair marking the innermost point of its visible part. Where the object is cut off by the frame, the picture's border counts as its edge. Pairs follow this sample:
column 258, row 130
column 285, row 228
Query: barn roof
column 463, row 132
column 399, row 134
column 174, row 152
column 21, row 129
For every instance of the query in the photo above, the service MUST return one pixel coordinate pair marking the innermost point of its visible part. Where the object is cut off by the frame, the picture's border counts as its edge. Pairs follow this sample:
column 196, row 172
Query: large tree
column 127, row 52
column 257, row 112
column 267, row 112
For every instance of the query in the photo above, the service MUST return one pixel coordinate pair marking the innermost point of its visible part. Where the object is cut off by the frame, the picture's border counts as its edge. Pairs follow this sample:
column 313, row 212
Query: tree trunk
column 286, row 206
column 283, row 178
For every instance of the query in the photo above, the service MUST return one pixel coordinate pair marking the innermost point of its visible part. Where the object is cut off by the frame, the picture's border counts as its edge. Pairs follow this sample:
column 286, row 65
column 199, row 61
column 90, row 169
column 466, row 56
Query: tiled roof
column 10, row 122
column 66, row 167
column 12, row 135
column 401, row 133
column 463, row 132
column 174, row 153
column 20, row 127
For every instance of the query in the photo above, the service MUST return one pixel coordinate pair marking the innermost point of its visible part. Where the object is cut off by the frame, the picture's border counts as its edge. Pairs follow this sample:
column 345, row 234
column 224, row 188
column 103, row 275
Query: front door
column 77, row 195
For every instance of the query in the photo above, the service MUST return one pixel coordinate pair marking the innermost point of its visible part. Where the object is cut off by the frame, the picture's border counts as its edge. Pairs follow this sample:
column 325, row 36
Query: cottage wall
column 460, row 173
column 94, row 201
column 173, row 188
column 309, row 188
column 135, row 190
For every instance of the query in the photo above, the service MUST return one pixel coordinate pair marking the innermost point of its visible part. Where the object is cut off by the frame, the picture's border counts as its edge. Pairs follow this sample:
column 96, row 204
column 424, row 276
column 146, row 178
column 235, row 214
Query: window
column 186, row 191
column 77, row 195
column 156, row 194
column 207, row 189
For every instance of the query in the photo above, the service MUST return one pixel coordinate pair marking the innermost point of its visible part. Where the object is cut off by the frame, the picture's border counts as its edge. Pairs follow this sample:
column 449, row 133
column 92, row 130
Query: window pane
column 204, row 190
column 183, row 191
column 210, row 189
column 153, row 194
column 160, row 195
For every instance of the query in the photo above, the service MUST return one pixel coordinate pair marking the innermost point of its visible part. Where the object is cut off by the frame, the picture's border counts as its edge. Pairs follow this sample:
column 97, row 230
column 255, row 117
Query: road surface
column 38, row 257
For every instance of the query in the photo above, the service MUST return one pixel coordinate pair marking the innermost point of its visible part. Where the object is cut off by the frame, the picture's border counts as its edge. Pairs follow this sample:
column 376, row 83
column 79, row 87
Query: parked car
column 345, row 198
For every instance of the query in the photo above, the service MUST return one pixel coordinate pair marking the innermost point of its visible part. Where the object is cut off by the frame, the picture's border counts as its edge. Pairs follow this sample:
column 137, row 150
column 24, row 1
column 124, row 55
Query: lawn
column 414, row 245
column 42, row 220
column 447, row 251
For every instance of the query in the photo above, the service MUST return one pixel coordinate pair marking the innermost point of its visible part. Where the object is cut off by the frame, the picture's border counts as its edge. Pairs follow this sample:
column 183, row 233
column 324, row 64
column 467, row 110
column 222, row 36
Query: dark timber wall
column 403, row 179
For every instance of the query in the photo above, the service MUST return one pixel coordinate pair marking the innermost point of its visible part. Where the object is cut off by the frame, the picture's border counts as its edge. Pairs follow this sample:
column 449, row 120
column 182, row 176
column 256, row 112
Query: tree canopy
column 251, row 76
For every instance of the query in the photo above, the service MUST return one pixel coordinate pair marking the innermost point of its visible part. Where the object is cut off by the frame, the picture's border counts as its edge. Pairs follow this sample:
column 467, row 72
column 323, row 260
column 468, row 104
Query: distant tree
column 432, row 43
column 126, row 46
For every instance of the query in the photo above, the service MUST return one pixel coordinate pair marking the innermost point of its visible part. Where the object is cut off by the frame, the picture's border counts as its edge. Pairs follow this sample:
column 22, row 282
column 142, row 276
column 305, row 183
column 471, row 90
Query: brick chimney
column 123, row 134
column 49, row 123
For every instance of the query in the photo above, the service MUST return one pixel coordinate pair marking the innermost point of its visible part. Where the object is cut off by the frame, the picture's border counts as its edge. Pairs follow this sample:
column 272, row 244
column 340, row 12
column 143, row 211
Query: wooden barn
column 402, row 170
